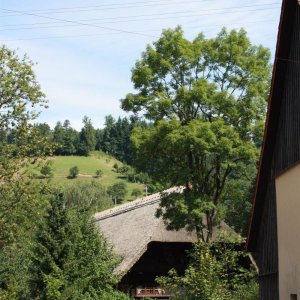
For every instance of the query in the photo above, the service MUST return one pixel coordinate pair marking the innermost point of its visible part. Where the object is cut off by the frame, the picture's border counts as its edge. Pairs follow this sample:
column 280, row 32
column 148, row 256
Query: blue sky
column 86, row 69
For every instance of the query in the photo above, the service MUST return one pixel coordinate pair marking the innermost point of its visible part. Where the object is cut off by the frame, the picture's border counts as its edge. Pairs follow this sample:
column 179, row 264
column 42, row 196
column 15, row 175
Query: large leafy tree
column 20, row 101
column 21, row 198
column 207, row 98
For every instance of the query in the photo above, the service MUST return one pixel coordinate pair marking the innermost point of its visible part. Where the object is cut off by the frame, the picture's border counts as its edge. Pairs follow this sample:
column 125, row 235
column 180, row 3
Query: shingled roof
column 130, row 227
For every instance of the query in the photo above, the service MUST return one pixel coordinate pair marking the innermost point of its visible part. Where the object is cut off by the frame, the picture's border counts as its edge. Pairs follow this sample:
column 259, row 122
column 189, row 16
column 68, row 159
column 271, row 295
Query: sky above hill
column 85, row 49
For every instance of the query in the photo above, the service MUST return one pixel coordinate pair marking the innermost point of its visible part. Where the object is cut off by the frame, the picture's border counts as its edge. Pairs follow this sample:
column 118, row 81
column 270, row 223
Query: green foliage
column 115, row 167
column 87, row 166
column 114, row 139
column 136, row 193
column 238, row 200
column 21, row 145
column 204, row 154
column 71, row 259
column 180, row 78
column 214, row 273
column 117, row 191
column 65, row 258
column 202, row 280
column 248, row 291
column 207, row 98
column 124, row 169
column 66, row 138
column 51, row 252
column 73, row 172
column 99, row 173
column 89, row 196
column 87, row 138
column 19, row 90
column 47, row 170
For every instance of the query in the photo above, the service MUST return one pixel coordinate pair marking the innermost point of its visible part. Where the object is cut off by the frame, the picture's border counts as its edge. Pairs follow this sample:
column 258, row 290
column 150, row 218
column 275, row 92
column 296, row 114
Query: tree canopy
column 21, row 197
column 207, row 98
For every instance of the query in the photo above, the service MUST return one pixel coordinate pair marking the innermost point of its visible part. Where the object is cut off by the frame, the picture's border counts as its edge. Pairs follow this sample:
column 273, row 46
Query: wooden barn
column 274, row 233
column 147, row 249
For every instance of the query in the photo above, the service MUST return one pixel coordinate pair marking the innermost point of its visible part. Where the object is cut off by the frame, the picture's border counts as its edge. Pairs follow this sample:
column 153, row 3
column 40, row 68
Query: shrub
column 73, row 172
column 115, row 167
column 99, row 173
column 46, row 170
column 117, row 191
column 136, row 193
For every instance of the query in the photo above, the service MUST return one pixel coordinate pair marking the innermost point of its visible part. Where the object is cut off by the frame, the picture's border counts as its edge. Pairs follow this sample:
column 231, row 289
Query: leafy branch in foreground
column 214, row 273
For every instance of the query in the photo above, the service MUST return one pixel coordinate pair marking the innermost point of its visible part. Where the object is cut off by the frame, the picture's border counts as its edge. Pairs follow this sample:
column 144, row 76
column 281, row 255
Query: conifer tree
column 52, row 251
column 71, row 259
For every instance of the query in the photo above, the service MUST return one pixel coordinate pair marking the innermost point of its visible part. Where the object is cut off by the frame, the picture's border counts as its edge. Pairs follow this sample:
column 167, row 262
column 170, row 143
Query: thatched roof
column 130, row 227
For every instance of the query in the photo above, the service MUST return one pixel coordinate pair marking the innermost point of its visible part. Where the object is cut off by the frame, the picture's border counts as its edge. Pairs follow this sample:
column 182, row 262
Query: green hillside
column 87, row 171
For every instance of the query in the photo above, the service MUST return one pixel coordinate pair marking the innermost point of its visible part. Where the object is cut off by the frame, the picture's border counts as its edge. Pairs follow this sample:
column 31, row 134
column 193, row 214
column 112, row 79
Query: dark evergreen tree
column 52, row 252
column 70, row 139
column 115, row 140
column 71, row 259
column 58, row 138
column 87, row 140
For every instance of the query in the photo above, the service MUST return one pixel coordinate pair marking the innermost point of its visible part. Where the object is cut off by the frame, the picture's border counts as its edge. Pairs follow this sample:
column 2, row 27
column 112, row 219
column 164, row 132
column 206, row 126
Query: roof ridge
column 144, row 201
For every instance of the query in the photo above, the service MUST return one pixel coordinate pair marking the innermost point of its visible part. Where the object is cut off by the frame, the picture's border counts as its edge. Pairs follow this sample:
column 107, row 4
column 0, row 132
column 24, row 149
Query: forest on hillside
column 197, row 117
column 113, row 139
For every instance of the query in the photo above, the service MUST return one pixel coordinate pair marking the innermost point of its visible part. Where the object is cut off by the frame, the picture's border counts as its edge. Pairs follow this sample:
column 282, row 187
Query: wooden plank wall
column 288, row 135
column 286, row 153
column 267, row 251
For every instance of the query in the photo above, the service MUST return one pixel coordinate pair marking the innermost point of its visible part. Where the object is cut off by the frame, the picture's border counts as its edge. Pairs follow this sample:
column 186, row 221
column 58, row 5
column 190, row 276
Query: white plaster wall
column 288, row 220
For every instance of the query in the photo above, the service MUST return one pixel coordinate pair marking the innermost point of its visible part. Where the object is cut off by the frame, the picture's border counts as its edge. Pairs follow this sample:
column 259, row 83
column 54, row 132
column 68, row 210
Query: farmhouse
column 274, row 234
column 147, row 249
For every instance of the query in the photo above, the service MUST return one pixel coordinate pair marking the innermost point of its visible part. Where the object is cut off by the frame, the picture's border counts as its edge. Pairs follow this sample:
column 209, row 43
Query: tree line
column 113, row 139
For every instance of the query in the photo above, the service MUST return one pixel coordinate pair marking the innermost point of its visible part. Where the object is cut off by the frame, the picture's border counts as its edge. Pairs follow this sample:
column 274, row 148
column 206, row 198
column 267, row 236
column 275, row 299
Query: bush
column 115, row 167
column 136, row 193
column 117, row 191
column 99, row 173
column 123, row 170
column 73, row 172
column 46, row 170
column 87, row 195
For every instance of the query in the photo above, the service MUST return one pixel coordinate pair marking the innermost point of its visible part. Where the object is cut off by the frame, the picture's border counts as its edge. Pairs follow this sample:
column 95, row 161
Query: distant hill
column 88, row 165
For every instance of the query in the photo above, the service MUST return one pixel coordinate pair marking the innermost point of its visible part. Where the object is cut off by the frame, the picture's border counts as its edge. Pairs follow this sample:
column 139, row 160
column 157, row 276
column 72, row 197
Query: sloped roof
column 132, row 226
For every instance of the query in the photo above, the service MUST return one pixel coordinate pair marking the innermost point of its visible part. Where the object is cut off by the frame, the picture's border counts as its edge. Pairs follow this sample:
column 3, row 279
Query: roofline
column 271, row 126
column 144, row 201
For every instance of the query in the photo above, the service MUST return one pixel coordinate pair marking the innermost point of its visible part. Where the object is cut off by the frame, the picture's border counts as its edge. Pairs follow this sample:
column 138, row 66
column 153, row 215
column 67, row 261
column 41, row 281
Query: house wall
column 266, row 251
column 158, row 260
column 288, row 220
column 281, row 150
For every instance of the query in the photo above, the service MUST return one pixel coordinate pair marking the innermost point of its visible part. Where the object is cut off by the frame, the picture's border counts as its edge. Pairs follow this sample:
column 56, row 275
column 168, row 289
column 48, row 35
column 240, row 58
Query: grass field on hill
column 87, row 171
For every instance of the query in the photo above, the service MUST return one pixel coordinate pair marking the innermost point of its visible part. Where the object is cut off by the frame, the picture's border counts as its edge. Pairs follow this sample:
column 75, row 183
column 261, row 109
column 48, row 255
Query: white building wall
column 288, row 220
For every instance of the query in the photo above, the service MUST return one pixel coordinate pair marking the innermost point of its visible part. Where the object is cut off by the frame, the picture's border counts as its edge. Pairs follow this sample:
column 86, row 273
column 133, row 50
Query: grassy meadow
column 87, row 171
